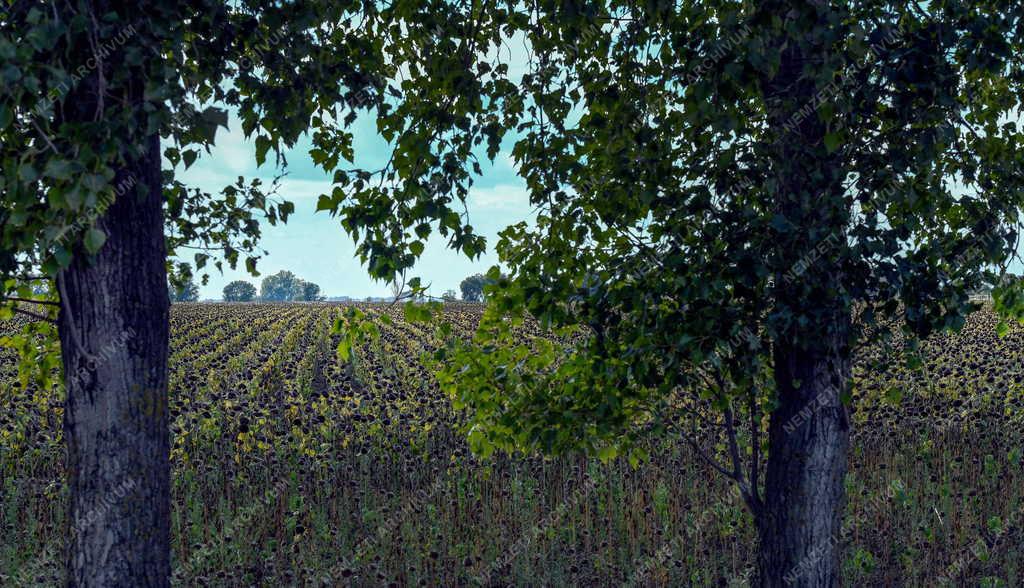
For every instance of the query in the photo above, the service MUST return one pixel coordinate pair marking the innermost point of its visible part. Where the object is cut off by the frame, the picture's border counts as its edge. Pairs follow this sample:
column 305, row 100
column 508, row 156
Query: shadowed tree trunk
column 115, row 420
column 113, row 329
column 800, row 526
column 800, row 529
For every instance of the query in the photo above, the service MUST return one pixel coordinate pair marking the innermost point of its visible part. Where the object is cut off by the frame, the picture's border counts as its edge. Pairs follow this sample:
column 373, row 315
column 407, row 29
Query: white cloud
column 296, row 190
column 503, row 197
column 213, row 180
column 232, row 150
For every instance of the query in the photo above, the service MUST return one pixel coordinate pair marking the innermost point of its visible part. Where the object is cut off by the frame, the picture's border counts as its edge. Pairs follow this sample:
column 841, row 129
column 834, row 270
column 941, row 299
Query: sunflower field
column 293, row 467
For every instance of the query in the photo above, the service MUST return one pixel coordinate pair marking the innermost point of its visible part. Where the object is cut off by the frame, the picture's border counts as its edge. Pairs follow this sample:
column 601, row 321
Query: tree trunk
column 113, row 323
column 114, row 338
column 800, row 523
column 801, row 527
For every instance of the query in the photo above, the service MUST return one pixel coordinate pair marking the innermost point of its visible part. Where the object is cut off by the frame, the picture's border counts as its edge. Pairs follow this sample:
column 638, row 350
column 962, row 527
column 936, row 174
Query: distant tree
column 449, row 296
column 473, row 288
column 279, row 287
column 187, row 292
column 239, row 291
column 309, row 292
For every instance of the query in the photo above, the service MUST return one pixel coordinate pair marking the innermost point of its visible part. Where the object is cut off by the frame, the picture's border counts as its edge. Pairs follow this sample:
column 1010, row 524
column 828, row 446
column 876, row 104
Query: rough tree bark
column 113, row 328
column 114, row 339
column 800, row 528
column 801, row 522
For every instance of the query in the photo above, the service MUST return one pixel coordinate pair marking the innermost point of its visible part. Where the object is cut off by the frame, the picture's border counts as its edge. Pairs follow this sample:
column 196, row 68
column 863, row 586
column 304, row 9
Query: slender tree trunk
column 801, row 527
column 801, row 520
column 114, row 338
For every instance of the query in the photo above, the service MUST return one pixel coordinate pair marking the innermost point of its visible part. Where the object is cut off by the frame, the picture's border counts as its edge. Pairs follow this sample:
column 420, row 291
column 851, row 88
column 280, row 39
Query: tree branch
column 30, row 300
column 46, row 138
column 34, row 315
column 737, row 462
column 700, row 451
column 755, row 442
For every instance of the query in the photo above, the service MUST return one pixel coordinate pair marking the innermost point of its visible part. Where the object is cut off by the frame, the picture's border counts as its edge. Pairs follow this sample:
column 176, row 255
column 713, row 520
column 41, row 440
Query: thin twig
column 737, row 462
column 45, row 137
column 755, row 441
column 700, row 451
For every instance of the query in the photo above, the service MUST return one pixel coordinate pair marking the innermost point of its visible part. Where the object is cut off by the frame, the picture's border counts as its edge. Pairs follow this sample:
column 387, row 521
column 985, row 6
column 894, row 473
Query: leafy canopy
column 472, row 288
column 290, row 70
column 239, row 291
column 713, row 179
column 188, row 292
column 659, row 142
column 309, row 292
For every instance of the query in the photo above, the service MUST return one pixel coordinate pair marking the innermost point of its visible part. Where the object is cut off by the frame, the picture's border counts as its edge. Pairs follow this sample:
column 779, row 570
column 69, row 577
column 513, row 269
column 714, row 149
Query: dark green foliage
column 283, row 285
column 239, row 291
column 472, row 288
column 309, row 292
column 187, row 292
column 688, row 217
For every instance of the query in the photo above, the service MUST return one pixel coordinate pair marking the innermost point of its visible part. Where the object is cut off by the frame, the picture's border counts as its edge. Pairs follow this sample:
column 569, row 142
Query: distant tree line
column 239, row 291
column 283, row 286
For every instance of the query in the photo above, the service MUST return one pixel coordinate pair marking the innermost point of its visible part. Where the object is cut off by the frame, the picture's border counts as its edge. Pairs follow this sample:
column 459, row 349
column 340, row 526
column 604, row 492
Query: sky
column 315, row 247
column 313, row 244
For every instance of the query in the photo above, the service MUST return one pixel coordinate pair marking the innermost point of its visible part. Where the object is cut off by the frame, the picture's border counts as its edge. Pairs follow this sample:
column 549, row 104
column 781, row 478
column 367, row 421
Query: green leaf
column 832, row 141
column 189, row 157
column 94, row 240
column 894, row 395
column 58, row 169
column 420, row 313
column 63, row 257
column 607, row 453
column 215, row 116
column 345, row 348
column 263, row 145
column 27, row 172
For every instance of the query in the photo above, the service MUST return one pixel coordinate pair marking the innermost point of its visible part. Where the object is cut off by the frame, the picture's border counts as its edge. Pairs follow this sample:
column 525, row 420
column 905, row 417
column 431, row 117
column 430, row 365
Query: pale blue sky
column 315, row 247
